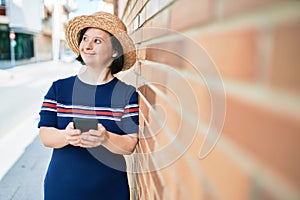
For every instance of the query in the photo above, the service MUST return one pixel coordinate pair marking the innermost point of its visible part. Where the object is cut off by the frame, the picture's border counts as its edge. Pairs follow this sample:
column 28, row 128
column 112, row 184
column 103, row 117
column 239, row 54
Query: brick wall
column 219, row 98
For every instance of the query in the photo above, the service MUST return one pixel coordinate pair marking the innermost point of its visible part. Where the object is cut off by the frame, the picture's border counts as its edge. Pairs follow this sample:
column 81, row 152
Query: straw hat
column 107, row 22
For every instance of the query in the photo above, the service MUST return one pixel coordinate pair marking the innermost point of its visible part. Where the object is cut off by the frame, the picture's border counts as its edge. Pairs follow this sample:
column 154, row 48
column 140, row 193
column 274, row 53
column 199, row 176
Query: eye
column 84, row 38
column 97, row 41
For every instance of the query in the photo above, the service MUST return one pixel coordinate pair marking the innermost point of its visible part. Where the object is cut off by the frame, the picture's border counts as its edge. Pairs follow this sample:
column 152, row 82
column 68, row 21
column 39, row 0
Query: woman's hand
column 118, row 144
column 72, row 135
column 93, row 138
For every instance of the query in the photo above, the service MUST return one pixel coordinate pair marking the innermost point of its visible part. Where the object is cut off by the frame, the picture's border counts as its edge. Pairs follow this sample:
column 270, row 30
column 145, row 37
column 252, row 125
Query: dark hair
column 118, row 62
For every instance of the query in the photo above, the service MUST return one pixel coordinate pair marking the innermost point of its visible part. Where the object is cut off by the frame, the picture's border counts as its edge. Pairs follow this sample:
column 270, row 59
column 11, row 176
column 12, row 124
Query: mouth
column 88, row 53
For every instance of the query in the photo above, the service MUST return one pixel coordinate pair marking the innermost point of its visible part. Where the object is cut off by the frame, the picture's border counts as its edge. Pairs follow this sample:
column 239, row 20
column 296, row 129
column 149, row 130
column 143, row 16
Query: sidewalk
column 25, row 179
column 6, row 64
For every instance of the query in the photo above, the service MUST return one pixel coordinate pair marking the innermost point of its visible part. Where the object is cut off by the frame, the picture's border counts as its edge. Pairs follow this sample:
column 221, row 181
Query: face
column 96, row 48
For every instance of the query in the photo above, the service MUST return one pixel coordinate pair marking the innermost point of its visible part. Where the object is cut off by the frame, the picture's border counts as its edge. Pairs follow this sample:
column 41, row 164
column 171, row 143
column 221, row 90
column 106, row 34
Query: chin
column 87, row 61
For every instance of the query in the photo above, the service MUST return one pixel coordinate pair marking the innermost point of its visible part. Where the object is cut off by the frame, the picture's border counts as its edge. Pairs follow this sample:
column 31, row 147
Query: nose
column 88, row 44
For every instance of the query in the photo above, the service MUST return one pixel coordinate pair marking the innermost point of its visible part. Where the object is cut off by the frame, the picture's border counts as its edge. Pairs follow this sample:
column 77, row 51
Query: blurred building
column 32, row 28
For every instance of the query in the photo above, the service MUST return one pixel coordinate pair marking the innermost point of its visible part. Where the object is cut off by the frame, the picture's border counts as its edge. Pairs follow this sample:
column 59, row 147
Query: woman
column 90, row 164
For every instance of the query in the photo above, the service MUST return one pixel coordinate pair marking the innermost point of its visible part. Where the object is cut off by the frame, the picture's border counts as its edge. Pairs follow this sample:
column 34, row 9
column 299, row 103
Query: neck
column 96, row 76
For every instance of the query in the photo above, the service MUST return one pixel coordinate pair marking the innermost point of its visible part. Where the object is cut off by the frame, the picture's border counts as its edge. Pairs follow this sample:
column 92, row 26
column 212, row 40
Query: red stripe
column 63, row 110
column 52, row 105
column 131, row 110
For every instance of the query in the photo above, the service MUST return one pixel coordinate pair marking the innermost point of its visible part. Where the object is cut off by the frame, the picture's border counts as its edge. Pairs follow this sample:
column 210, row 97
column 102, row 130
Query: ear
column 115, row 54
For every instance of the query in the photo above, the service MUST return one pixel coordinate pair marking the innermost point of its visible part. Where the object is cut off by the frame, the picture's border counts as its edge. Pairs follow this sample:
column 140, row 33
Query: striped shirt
column 68, row 98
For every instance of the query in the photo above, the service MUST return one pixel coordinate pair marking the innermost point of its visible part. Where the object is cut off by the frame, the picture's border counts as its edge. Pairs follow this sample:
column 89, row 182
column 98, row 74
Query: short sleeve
column 130, row 118
column 48, row 112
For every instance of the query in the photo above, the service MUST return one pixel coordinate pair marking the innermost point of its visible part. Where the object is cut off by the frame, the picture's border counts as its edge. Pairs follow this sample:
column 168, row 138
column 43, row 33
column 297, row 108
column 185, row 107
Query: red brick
column 143, row 16
column 203, row 97
column 231, row 7
column 129, row 15
column 285, row 57
column 234, row 52
column 188, row 178
column 162, row 20
column 198, row 187
column 166, row 53
column 142, row 161
column 157, row 184
column 146, row 144
column 150, row 186
column 226, row 177
column 143, row 106
column 186, row 14
column 175, row 86
column 150, row 32
column 142, row 185
column 199, row 61
column 137, row 7
column 171, row 189
column 183, row 53
column 269, row 135
column 266, row 195
column 177, row 164
column 148, row 93
column 152, row 8
column 141, row 118
column 154, row 74
column 141, row 53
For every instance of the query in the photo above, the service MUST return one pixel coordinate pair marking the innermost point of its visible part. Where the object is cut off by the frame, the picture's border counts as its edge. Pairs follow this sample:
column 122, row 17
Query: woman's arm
column 55, row 138
column 120, row 144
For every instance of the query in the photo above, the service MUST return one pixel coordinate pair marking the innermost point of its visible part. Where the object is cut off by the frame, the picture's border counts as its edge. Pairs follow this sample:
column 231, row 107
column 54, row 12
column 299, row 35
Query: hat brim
column 76, row 24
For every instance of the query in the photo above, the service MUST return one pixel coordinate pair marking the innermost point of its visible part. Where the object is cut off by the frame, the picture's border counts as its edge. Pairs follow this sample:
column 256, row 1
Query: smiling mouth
column 88, row 54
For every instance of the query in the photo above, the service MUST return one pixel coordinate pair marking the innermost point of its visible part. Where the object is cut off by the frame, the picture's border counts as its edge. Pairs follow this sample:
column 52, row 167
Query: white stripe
column 132, row 106
column 90, row 108
column 88, row 116
column 130, row 114
column 50, row 101
column 49, row 109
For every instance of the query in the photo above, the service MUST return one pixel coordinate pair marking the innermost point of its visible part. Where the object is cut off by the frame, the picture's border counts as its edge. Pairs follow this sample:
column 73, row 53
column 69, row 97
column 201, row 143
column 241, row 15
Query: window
column 2, row 7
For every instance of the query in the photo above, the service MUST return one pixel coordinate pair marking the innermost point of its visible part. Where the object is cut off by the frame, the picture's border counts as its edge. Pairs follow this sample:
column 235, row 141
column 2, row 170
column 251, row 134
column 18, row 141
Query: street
column 21, row 92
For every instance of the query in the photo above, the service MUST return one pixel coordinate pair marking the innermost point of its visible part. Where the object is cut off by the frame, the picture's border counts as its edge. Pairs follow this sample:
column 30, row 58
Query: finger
column 73, row 132
column 70, row 125
column 98, row 136
column 100, row 126
column 88, row 137
column 85, row 135
column 70, row 129
column 75, row 143
column 101, row 131
column 96, row 133
column 91, row 141
column 87, row 144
